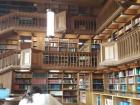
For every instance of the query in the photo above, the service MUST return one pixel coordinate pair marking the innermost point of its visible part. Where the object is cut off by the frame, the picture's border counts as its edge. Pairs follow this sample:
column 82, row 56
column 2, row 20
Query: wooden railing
column 82, row 25
column 129, row 45
column 125, row 49
column 9, row 59
column 50, row 60
column 76, row 59
column 65, row 60
column 37, row 22
column 22, row 21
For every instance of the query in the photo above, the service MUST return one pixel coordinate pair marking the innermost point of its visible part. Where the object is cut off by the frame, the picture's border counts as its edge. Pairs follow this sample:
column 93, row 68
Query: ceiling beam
column 131, row 11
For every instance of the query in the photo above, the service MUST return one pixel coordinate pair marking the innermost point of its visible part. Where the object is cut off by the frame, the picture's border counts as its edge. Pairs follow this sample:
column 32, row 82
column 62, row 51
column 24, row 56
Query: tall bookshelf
column 21, row 81
column 70, row 87
column 84, row 86
column 55, row 86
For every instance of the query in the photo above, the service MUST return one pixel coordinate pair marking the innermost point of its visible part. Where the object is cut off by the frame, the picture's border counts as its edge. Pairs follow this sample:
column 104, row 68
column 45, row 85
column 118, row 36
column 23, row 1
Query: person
column 34, row 96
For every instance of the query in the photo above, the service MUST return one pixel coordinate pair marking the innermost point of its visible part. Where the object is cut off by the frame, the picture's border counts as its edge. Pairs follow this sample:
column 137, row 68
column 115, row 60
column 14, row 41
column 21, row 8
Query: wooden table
column 14, row 101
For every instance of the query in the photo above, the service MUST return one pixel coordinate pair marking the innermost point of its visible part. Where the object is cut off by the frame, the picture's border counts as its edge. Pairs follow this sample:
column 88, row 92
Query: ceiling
column 95, row 3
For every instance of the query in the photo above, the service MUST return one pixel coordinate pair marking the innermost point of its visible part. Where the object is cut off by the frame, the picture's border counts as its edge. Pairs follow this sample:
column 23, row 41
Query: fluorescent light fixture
column 28, row 41
column 23, row 70
column 50, row 23
column 54, row 70
column 80, row 43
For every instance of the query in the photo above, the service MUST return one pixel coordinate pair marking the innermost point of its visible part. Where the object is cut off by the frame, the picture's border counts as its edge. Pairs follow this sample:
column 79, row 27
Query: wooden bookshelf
column 84, row 85
column 21, row 81
column 126, row 81
column 70, row 87
column 55, row 86
column 97, row 82
column 62, row 45
column 114, row 98
column 40, row 79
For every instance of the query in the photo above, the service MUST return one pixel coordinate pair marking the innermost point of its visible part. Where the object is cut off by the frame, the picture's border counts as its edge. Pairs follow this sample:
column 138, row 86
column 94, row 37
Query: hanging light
column 50, row 23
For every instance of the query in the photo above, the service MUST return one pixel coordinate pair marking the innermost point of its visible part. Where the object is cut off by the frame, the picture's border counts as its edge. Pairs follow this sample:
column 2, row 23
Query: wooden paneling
column 6, row 79
column 60, row 22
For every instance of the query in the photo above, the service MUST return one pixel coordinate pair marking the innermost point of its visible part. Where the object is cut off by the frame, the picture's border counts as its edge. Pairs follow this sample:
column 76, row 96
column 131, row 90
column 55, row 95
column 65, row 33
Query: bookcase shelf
column 126, row 81
column 107, row 98
column 40, row 79
column 69, row 87
column 70, row 81
column 98, row 82
column 62, row 45
column 21, row 82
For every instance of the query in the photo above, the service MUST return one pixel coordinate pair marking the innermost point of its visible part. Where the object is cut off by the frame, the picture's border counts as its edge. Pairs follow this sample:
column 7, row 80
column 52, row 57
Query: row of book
column 113, row 81
column 124, row 103
column 20, row 87
column 39, row 81
column 70, row 99
column 108, row 101
column 125, row 88
column 98, row 84
column 130, row 72
column 23, row 81
column 58, row 81
column 131, row 80
column 40, row 75
column 72, row 93
column 22, row 75
column 55, row 87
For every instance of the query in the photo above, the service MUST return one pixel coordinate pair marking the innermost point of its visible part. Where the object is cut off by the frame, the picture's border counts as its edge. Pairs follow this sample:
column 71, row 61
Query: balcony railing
column 77, row 60
column 82, row 25
column 9, row 59
column 125, row 49
column 17, row 60
column 22, row 21
column 37, row 22
column 129, row 45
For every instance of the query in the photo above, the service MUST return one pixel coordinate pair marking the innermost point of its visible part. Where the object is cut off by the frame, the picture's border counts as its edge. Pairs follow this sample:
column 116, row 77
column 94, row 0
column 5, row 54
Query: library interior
column 80, row 52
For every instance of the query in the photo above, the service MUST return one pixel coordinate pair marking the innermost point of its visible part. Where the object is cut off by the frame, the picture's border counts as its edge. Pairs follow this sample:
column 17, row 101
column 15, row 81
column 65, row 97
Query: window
column 109, row 53
column 25, row 39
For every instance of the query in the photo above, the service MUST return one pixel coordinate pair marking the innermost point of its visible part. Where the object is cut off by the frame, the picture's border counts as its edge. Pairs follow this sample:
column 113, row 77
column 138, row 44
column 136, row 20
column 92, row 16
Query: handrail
column 82, row 24
column 71, row 59
column 9, row 59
